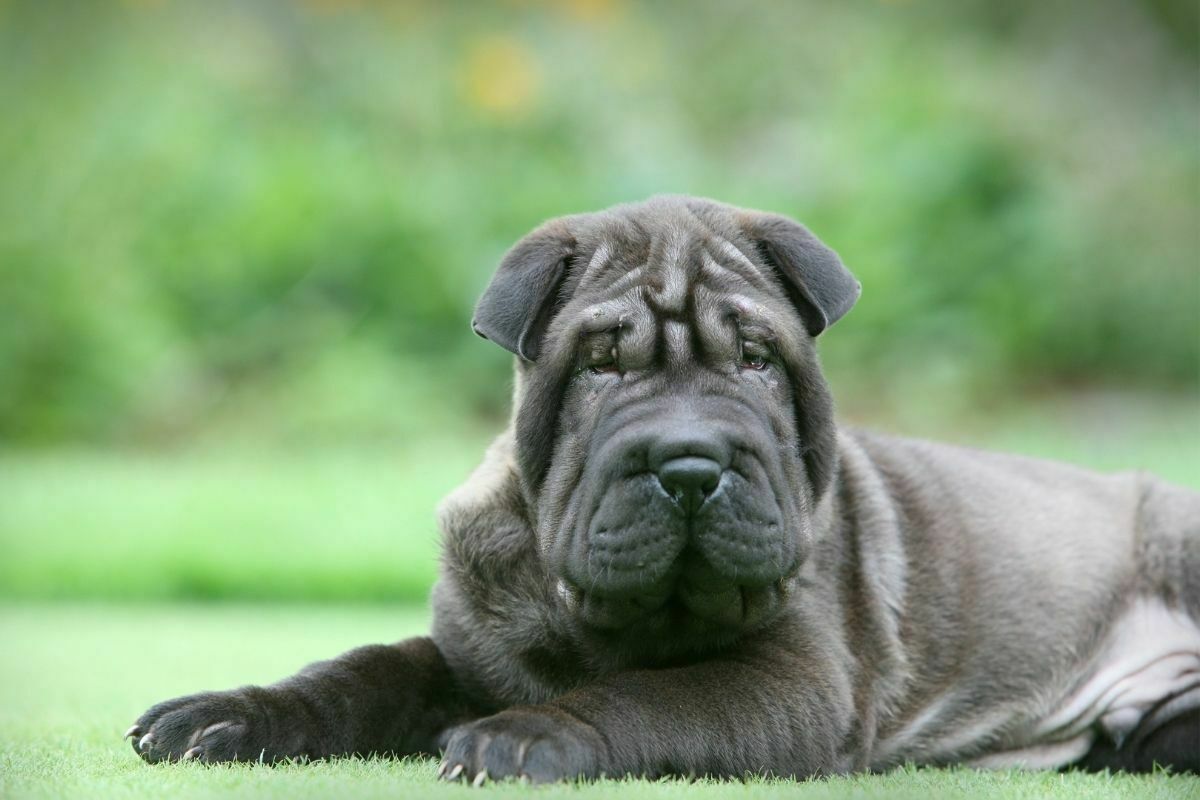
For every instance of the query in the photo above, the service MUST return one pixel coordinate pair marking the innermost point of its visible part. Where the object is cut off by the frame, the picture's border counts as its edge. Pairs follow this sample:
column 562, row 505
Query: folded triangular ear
column 821, row 287
column 517, row 305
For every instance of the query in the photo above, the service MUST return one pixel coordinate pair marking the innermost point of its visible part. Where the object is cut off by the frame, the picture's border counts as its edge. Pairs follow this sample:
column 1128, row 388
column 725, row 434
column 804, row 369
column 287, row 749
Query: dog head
column 673, row 429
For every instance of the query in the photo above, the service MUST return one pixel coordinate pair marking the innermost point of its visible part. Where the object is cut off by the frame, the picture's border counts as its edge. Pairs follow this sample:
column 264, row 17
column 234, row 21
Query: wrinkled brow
column 710, row 303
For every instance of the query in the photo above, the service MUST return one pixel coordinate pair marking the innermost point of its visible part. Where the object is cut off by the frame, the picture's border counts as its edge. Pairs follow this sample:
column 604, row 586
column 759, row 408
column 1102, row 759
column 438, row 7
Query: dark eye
column 602, row 360
column 754, row 362
column 754, row 356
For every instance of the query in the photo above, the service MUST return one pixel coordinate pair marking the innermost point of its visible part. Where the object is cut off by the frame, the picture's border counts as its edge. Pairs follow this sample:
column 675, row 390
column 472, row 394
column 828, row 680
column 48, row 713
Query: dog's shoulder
column 483, row 522
column 493, row 611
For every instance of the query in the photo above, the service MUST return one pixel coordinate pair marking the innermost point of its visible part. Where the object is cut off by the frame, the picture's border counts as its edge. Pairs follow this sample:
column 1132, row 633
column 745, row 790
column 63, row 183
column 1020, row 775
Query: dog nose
column 690, row 479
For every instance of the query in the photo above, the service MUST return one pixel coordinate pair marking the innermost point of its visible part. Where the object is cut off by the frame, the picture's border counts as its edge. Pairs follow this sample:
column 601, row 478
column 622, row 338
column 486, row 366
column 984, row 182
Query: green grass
column 72, row 677
column 316, row 525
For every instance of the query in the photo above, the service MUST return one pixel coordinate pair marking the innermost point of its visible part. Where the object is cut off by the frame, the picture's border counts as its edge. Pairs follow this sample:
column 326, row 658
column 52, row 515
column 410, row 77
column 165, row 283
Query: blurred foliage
column 276, row 216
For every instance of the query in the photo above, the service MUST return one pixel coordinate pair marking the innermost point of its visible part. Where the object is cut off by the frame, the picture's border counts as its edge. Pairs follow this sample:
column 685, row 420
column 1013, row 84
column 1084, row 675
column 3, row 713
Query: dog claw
column 134, row 730
column 454, row 773
column 145, row 742
column 441, row 773
column 190, row 754
column 480, row 779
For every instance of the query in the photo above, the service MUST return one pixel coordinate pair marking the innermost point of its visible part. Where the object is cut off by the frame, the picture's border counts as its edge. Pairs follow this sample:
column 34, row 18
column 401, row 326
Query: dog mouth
column 693, row 598
column 643, row 561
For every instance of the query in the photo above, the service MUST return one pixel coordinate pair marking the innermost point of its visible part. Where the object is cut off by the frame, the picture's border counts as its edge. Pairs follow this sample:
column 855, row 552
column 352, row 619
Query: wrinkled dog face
column 673, row 428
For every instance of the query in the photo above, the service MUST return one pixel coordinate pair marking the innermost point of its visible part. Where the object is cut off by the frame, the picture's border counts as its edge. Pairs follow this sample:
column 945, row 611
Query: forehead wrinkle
column 677, row 240
column 751, row 313
column 715, row 328
column 639, row 333
column 670, row 295
column 715, row 304
column 631, row 280
column 749, row 269
column 657, row 259
column 623, row 310
column 706, row 297
column 715, row 270
column 733, row 251
column 600, row 269
column 600, row 257
column 612, row 270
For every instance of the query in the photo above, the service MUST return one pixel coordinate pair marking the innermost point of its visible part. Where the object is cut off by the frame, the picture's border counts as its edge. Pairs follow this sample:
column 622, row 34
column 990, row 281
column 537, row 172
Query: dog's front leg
column 730, row 717
column 385, row 699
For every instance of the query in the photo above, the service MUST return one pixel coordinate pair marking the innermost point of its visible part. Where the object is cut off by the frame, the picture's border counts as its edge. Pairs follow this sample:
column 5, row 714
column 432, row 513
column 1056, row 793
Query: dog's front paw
column 239, row 725
column 537, row 744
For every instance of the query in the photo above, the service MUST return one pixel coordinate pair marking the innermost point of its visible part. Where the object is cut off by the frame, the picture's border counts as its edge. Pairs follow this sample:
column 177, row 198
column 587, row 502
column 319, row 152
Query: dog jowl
column 675, row 562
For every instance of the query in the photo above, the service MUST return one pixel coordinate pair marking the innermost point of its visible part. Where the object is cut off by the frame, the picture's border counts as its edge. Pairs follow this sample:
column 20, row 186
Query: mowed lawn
column 228, row 522
column 73, row 677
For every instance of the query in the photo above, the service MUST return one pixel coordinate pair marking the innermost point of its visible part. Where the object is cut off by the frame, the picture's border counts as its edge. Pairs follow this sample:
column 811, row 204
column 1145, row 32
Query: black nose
column 690, row 479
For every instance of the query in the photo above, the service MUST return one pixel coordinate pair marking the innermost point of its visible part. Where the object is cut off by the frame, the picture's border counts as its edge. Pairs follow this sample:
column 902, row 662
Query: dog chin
column 683, row 610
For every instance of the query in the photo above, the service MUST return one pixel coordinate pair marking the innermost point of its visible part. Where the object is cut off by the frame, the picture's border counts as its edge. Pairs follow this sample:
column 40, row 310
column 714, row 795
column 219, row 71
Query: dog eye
column 754, row 356
column 601, row 361
column 754, row 362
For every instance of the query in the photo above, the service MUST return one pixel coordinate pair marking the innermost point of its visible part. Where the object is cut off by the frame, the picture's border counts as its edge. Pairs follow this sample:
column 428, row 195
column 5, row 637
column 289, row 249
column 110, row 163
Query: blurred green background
column 240, row 243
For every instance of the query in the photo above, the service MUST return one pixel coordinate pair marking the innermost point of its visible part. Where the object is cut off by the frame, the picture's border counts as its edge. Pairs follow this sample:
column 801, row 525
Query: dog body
column 961, row 607
column 673, row 562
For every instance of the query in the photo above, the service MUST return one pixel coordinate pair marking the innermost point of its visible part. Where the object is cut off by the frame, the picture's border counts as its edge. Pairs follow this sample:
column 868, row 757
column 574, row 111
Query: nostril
column 690, row 479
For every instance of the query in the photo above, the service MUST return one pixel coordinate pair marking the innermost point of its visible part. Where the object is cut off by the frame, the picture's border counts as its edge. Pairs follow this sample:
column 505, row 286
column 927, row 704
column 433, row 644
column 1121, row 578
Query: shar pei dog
column 674, row 562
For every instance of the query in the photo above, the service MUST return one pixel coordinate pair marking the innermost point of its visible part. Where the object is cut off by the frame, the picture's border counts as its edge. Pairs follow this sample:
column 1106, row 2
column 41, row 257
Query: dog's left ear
column 821, row 287
column 519, row 302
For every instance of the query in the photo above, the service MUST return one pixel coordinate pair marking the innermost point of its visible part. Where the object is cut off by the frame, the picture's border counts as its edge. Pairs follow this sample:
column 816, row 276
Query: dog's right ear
column 519, row 302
